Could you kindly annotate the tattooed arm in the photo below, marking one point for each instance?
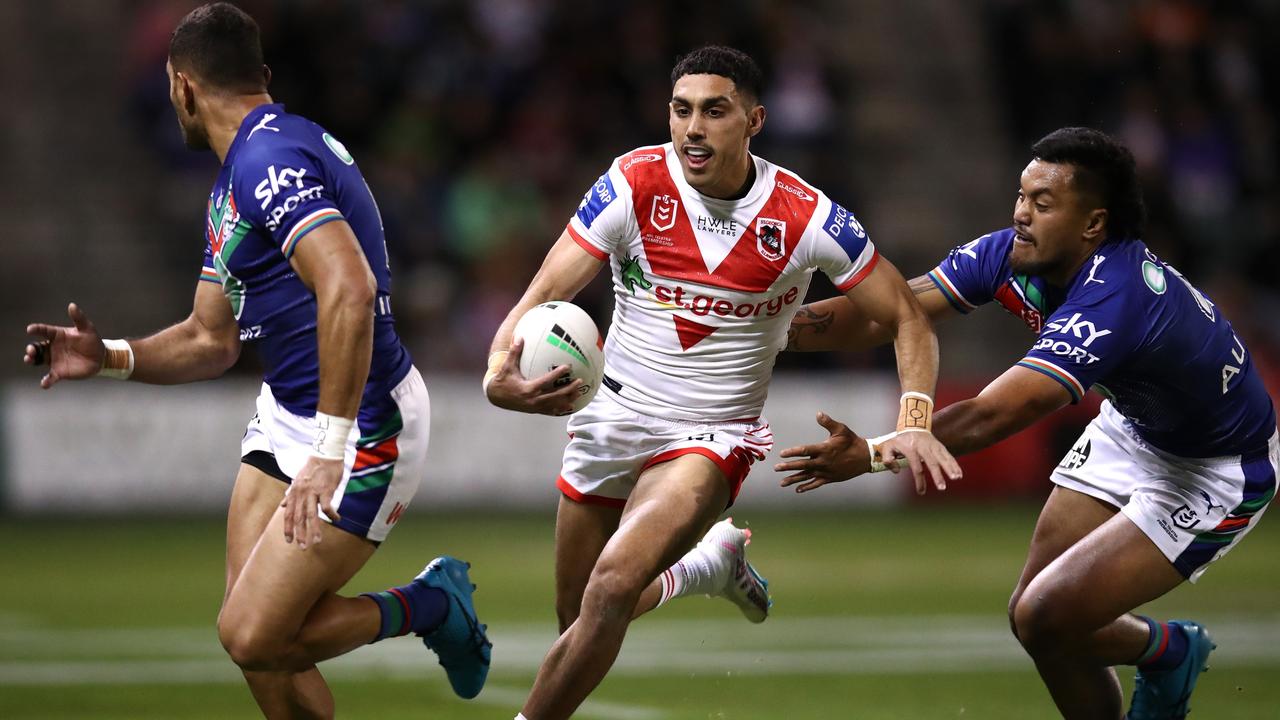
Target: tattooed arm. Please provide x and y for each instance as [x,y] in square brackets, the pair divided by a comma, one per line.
[835,324]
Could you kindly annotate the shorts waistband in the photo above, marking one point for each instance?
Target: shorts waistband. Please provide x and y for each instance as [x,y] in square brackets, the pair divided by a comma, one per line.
[616,388]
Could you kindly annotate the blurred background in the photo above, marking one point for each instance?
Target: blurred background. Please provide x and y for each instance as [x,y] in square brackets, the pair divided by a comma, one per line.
[480,124]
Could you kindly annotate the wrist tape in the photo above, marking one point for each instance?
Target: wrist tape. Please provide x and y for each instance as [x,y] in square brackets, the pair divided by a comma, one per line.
[331,436]
[117,362]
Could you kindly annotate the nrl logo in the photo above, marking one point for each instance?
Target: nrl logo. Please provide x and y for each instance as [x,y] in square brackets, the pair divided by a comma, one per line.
[771,238]
[632,274]
[663,214]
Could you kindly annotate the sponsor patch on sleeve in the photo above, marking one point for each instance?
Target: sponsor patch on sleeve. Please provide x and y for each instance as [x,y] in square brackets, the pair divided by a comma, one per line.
[596,200]
[845,229]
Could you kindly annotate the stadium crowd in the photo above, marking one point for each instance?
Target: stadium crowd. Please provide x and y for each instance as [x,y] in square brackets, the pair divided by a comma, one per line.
[479,125]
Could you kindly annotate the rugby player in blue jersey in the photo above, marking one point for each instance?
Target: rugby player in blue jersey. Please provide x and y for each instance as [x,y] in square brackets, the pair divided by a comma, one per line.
[1178,466]
[296,263]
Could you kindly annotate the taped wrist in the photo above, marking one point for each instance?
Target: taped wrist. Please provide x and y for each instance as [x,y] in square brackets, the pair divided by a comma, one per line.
[117,361]
[496,359]
[877,461]
[331,436]
[915,413]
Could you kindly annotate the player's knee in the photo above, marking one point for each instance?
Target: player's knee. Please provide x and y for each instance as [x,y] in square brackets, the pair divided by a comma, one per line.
[1041,625]
[612,592]
[249,646]
[1013,606]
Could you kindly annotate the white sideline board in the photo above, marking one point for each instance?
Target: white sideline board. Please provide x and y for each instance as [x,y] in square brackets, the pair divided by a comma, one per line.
[119,448]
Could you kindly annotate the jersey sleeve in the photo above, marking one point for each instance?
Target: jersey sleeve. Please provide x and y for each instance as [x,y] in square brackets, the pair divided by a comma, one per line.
[283,190]
[208,273]
[1086,339]
[841,247]
[604,216]
[971,273]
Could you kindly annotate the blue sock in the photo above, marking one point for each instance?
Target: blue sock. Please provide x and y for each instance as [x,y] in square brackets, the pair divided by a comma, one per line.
[1166,648]
[409,608]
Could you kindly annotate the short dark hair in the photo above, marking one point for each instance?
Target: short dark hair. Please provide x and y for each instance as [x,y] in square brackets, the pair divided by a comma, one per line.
[1105,169]
[221,45]
[725,62]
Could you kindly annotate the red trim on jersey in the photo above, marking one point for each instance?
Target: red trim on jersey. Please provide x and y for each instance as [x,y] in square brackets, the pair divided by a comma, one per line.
[862,274]
[671,246]
[572,493]
[735,467]
[596,252]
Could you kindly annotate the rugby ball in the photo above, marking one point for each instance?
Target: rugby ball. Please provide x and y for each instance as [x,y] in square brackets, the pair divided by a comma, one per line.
[561,333]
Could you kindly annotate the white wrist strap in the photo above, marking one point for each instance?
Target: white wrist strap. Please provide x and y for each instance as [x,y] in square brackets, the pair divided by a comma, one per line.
[331,436]
[117,362]
[877,463]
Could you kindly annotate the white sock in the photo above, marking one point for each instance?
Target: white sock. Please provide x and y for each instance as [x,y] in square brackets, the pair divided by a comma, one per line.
[697,573]
[520,716]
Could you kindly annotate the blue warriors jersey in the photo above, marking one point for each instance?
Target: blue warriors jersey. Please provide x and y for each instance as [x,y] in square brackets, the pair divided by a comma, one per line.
[1129,325]
[283,177]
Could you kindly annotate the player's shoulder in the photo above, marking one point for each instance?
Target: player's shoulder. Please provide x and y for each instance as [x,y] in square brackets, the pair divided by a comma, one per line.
[987,254]
[278,136]
[786,181]
[641,158]
[1114,275]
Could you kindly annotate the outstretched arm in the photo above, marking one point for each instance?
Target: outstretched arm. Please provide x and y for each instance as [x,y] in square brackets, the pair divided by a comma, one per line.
[836,324]
[1009,404]
[201,347]
[884,299]
[565,271]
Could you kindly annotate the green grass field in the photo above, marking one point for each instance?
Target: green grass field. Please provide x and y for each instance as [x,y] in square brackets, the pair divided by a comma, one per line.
[896,614]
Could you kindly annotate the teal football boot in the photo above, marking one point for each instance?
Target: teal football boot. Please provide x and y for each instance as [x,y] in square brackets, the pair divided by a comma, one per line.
[1166,694]
[459,640]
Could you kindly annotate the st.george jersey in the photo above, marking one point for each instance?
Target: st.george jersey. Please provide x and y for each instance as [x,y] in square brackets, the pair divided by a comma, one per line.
[1131,326]
[706,288]
[283,177]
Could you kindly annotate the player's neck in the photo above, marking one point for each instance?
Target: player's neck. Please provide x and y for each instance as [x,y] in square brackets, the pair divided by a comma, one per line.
[739,183]
[226,117]
[1064,277]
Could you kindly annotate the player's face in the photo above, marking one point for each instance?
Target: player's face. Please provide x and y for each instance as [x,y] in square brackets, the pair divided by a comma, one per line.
[711,127]
[1054,224]
[181,95]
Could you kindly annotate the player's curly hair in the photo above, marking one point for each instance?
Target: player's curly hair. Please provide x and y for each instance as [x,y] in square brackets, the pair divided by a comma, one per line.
[725,62]
[221,45]
[1104,169]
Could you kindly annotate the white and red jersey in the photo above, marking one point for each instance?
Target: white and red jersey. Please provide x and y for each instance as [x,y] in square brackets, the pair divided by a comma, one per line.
[706,288]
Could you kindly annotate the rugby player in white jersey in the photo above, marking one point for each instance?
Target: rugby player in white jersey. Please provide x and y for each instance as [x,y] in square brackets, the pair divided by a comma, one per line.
[711,250]
[295,263]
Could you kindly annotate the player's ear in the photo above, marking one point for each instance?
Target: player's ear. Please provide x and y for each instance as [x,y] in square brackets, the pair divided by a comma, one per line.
[266,77]
[1097,224]
[186,93]
[755,120]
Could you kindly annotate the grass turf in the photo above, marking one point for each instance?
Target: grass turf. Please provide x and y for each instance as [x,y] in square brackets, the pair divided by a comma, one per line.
[146,576]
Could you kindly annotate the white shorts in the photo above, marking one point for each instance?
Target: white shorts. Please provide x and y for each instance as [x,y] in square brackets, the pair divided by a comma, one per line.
[1194,509]
[610,445]
[386,453]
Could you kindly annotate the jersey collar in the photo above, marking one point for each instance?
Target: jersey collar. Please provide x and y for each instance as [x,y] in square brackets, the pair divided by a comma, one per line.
[254,122]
